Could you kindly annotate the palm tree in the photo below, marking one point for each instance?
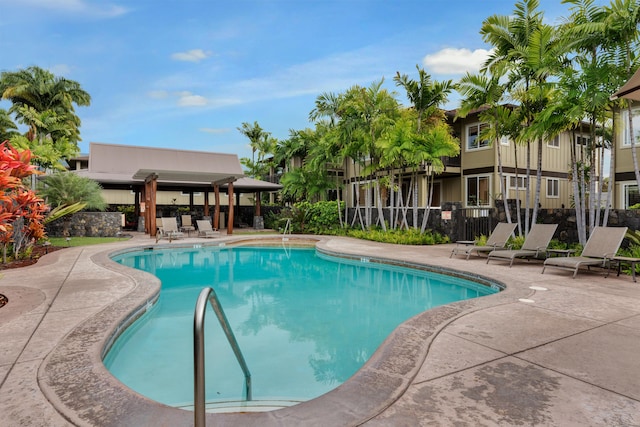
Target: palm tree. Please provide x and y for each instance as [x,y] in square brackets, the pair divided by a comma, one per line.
[256,136]
[531,51]
[7,127]
[365,114]
[435,142]
[426,97]
[485,90]
[33,91]
[622,19]
[400,152]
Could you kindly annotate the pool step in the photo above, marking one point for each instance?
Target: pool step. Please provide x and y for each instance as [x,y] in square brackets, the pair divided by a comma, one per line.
[245,406]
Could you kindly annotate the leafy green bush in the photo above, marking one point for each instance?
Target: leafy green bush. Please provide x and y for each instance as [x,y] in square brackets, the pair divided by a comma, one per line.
[310,218]
[633,251]
[515,242]
[400,237]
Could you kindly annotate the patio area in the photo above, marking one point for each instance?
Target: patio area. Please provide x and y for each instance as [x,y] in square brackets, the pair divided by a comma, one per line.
[549,350]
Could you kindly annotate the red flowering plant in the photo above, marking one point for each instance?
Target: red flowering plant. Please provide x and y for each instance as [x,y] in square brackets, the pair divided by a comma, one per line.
[21,211]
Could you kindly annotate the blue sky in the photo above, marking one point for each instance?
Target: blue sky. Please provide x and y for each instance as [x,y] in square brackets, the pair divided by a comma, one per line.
[187,73]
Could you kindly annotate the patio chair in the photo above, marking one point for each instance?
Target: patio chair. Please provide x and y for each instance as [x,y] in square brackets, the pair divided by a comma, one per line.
[168,229]
[534,246]
[187,224]
[205,229]
[497,240]
[602,245]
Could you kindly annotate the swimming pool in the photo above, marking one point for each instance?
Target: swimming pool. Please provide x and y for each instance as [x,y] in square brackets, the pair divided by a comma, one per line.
[304,321]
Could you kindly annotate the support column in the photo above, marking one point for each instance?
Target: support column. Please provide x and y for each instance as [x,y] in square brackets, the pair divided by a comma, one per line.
[152,182]
[206,203]
[216,209]
[230,219]
[147,203]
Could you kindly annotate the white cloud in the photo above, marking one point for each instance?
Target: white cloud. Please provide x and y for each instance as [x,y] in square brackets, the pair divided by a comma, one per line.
[193,55]
[455,61]
[215,130]
[107,10]
[187,99]
[62,70]
[158,94]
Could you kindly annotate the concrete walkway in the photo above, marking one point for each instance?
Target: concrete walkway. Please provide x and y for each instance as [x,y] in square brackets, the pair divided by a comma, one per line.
[549,350]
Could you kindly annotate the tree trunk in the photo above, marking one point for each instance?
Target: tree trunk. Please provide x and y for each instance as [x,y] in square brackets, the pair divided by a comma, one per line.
[503,190]
[536,202]
[527,192]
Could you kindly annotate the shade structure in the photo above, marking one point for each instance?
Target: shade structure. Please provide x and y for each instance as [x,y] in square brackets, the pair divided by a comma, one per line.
[631,89]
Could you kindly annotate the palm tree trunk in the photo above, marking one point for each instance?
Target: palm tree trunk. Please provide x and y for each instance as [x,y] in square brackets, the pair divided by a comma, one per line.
[612,170]
[415,199]
[527,191]
[518,213]
[536,202]
[503,190]
[576,187]
[392,194]
[427,209]
[379,206]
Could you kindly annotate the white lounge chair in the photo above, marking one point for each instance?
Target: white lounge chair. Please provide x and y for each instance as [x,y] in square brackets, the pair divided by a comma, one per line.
[205,229]
[534,246]
[167,229]
[602,245]
[187,224]
[497,240]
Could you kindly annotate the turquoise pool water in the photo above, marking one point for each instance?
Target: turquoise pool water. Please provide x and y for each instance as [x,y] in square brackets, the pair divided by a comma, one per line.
[305,322]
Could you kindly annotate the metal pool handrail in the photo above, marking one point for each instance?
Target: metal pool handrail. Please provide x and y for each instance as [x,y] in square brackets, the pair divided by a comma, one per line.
[198,351]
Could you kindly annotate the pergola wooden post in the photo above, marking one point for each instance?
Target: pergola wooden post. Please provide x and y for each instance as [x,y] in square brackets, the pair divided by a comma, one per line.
[230,219]
[151,189]
[216,209]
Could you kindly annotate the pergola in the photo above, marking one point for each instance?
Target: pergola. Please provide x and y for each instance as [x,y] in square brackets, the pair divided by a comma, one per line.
[631,89]
[148,168]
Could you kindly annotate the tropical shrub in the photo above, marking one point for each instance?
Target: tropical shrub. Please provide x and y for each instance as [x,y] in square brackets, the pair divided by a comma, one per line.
[310,218]
[21,212]
[71,193]
[400,237]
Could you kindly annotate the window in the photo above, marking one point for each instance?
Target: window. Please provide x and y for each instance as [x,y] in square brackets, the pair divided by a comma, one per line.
[553,188]
[631,196]
[473,133]
[521,184]
[478,190]
[361,199]
[504,140]
[636,126]
[555,142]
[195,193]
[582,140]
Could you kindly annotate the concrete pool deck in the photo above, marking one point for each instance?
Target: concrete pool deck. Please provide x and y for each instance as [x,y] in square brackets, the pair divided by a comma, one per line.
[549,350]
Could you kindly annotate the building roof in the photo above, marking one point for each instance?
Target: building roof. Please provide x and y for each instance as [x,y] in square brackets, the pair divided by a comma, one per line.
[126,164]
[631,89]
[133,163]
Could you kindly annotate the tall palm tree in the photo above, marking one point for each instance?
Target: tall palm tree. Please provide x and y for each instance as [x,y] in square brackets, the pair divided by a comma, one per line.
[365,114]
[256,136]
[435,142]
[485,90]
[39,91]
[622,19]
[531,51]
[7,126]
[426,97]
